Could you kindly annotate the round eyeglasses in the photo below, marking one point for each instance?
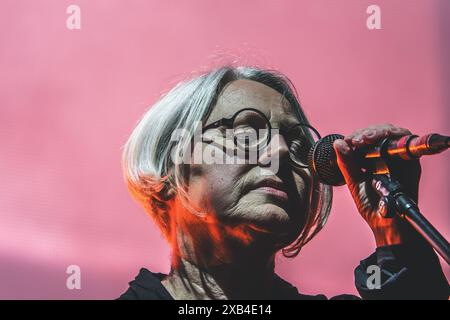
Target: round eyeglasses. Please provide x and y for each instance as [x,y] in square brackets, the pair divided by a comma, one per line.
[252,131]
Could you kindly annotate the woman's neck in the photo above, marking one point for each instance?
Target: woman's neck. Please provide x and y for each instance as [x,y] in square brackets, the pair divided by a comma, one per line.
[249,277]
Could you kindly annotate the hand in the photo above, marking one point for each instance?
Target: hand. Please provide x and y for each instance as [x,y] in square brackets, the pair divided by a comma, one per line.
[387,231]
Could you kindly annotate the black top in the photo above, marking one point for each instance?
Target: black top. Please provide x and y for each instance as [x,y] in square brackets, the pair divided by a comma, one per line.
[406,273]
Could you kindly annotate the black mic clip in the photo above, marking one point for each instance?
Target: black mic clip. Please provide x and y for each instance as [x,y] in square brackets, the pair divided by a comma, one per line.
[386,189]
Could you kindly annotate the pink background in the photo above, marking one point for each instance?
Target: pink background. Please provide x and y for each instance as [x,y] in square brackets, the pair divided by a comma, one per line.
[69,99]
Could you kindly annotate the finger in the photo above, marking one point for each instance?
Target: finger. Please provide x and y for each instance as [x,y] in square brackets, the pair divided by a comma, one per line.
[356,136]
[348,165]
[354,178]
[349,138]
[374,134]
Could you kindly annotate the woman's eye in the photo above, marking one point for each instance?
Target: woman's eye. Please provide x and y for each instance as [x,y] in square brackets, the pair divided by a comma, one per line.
[300,147]
[210,135]
[296,146]
[244,131]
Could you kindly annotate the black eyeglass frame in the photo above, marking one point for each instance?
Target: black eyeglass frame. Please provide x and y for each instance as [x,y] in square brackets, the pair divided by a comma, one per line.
[228,122]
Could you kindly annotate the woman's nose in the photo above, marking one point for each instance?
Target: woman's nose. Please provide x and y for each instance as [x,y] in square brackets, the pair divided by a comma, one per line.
[276,148]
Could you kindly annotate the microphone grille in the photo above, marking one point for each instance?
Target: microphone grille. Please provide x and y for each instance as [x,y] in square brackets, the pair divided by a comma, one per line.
[322,161]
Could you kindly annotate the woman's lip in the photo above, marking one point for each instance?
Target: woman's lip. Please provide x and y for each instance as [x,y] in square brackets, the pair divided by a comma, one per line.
[280,194]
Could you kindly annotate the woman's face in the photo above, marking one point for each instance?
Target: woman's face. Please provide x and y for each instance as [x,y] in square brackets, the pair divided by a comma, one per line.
[254,196]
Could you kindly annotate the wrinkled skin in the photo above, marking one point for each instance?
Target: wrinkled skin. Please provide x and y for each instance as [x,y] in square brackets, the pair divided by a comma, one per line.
[230,253]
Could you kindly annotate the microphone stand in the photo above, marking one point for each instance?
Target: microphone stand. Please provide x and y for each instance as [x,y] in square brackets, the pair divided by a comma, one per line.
[395,201]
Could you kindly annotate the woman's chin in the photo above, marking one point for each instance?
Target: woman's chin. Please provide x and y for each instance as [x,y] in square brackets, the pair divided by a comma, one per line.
[275,239]
[274,222]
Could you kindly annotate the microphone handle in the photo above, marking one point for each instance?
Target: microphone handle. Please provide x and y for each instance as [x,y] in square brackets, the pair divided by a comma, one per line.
[410,147]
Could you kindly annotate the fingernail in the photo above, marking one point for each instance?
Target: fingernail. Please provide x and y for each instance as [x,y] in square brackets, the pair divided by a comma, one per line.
[369,133]
[356,140]
[348,140]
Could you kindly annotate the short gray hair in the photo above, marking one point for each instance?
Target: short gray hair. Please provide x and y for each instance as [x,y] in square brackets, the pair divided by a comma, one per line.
[147,165]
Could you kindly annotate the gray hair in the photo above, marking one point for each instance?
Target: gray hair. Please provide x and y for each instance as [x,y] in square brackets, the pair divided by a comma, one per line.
[147,165]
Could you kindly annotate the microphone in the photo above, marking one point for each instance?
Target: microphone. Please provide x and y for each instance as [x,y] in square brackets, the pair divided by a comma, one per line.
[322,158]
